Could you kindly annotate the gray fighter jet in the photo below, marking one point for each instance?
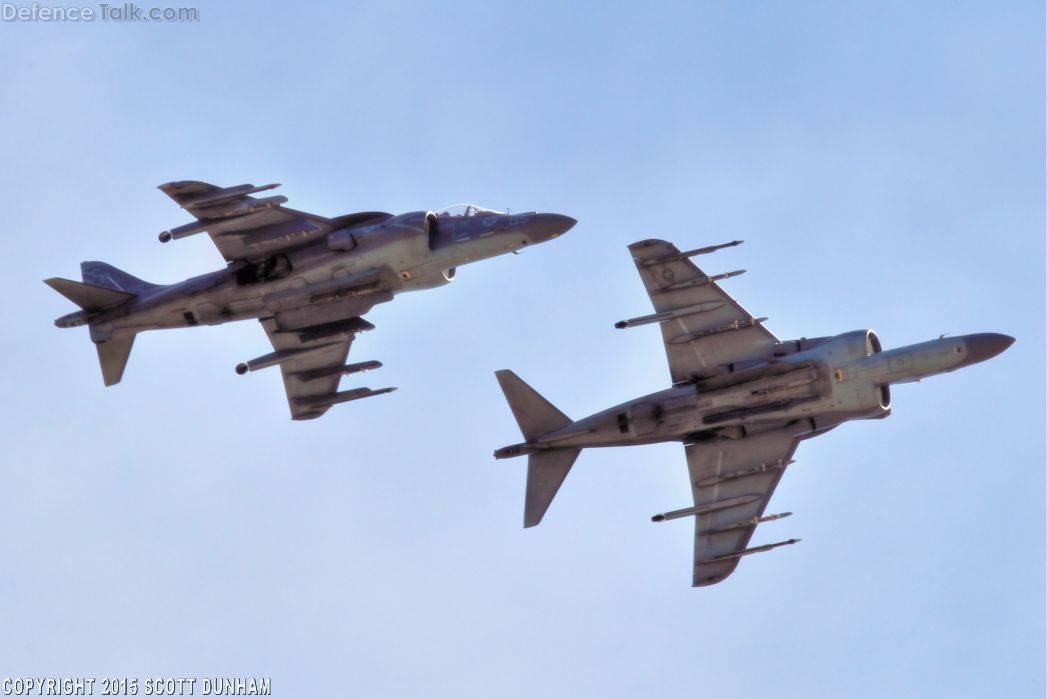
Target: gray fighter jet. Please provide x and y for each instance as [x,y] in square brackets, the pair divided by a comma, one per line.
[308,279]
[741,402]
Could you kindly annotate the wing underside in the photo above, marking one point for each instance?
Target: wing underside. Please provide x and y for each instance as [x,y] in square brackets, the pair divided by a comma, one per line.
[312,361]
[311,339]
[732,482]
[242,227]
[705,331]
[245,227]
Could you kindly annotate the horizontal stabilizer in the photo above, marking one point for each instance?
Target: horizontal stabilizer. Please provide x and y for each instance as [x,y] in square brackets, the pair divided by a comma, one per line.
[546,472]
[535,415]
[88,296]
[113,355]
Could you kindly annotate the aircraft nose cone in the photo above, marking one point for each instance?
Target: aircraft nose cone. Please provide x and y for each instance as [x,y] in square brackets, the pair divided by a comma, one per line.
[547,226]
[983,346]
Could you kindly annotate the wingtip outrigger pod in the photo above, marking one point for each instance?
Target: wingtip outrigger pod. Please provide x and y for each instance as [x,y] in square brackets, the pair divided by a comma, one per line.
[692,253]
[219,196]
[196,193]
[699,280]
[212,204]
[343,397]
[747,552]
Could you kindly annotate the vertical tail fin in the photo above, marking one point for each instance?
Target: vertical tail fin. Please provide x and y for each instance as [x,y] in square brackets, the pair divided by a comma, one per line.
[104,288]
[547,468]
[101,274]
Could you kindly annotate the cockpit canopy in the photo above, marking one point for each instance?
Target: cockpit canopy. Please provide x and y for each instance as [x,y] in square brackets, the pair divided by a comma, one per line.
[467,210]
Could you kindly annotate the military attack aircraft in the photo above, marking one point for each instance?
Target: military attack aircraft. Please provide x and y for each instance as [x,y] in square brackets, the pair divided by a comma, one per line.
[741,402]
[307,278]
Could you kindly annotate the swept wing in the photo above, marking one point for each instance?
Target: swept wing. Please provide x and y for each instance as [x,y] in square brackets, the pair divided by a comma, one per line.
[705,333]
[704,329]
[312,359]
[732,481]
[246,227]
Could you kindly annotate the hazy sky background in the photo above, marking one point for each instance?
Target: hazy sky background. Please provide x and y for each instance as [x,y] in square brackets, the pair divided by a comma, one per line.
[884,163]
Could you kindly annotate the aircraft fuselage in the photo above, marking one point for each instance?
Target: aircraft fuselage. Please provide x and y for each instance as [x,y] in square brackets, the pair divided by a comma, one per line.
[843,378]
[352,267]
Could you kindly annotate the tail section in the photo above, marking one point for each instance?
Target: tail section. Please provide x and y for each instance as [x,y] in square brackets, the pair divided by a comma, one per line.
[547,468]
[546,472]
[535,415]
[89,297]
[104,287]
[101,274]
[113,355]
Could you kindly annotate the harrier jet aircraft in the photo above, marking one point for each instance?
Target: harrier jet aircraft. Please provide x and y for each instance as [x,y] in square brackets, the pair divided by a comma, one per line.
[741,401]
[307,278]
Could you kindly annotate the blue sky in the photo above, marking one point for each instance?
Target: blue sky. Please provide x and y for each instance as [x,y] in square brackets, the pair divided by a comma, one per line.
[885,164]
